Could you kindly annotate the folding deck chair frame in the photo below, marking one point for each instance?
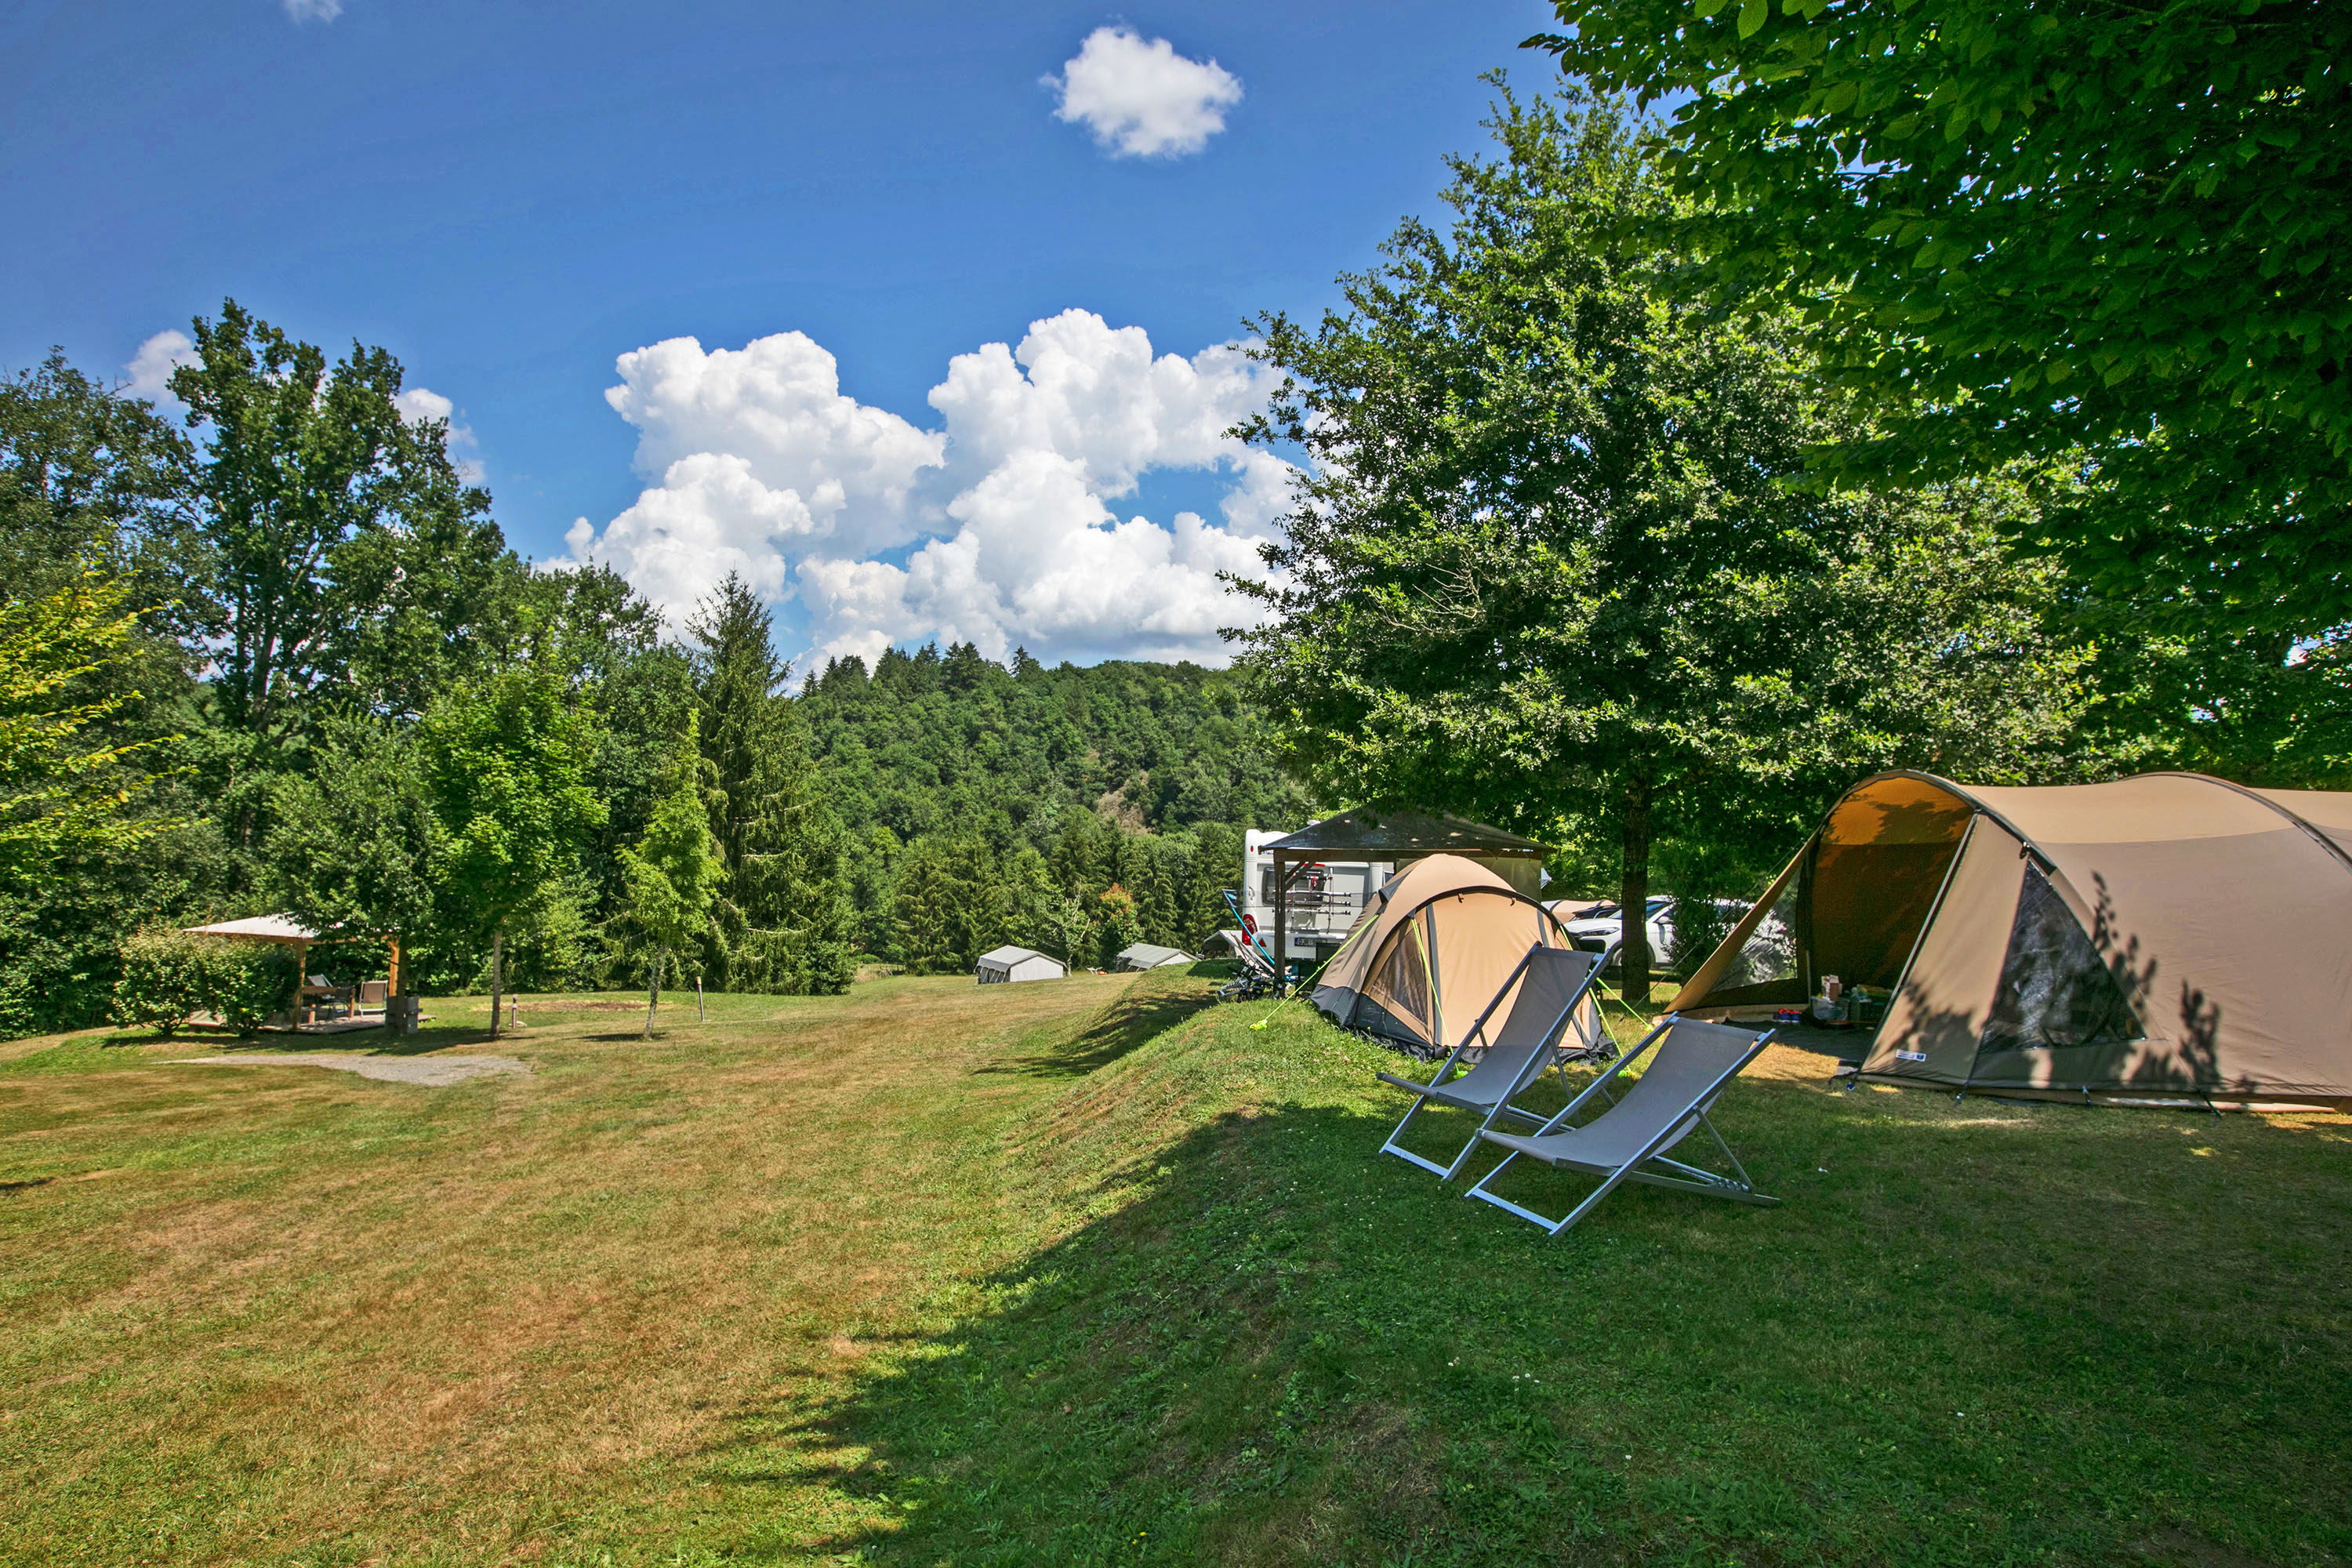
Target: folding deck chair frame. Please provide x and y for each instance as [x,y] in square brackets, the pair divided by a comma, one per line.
[1738,1187]
[1541,1052]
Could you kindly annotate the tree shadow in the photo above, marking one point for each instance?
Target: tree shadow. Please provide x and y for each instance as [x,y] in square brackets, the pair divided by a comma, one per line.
[1286,1348]
[1137,1014]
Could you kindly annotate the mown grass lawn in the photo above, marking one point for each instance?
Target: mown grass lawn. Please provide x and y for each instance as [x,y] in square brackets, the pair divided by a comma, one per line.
[1091,1272]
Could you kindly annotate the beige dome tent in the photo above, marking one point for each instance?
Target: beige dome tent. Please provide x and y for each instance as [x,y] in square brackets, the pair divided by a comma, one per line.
[2165,939]
[1425,957]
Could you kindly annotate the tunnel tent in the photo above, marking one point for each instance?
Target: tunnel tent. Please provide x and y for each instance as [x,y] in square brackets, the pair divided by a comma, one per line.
[2166,939]
[1429,950]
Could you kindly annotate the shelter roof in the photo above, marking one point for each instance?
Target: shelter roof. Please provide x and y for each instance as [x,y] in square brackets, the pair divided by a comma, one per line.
[1014,955]
[1375,834]
[1151,955]
[260,927]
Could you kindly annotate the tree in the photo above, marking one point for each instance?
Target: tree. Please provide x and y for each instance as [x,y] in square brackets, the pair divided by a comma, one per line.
[504,763]
[86,474]
[2117,233]
[349,551]
[1551,572]
[356,842]
[675,870]
[64,788]
[782,924]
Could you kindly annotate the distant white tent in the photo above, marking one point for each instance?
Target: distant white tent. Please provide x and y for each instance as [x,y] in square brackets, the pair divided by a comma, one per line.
[1011,964]
[1144,955]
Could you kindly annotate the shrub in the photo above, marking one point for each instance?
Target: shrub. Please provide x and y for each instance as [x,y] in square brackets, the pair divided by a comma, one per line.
[162,978]
[168,975]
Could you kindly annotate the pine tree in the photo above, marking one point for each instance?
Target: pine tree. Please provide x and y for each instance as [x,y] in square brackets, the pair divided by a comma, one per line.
[782,923]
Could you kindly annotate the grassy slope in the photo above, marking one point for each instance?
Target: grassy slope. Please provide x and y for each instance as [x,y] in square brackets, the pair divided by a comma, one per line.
[1072,1273]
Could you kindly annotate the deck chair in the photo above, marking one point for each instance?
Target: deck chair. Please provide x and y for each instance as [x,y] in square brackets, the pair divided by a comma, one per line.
[1628,1141]
[1553,984]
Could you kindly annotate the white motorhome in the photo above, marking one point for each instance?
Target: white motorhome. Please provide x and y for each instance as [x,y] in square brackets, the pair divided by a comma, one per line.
[1325,898]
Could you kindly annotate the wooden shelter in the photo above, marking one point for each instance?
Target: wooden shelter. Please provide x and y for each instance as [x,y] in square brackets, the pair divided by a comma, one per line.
[1396,838]
[286,929]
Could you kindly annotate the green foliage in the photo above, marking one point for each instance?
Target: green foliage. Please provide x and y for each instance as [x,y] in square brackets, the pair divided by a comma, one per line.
[1121,772]
[356,840]
[782,923]
[503,761]
[64,786]
[675,870]
[1552,572]
[350,556]
[167,976]
[2118,235]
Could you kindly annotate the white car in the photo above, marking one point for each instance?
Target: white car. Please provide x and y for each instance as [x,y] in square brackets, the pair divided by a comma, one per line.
[1596,926]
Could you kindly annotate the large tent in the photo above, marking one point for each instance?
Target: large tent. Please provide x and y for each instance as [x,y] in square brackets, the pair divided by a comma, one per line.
[2168,937]
[1425,957]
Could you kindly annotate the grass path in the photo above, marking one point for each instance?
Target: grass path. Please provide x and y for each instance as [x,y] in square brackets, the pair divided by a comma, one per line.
[1086,1272]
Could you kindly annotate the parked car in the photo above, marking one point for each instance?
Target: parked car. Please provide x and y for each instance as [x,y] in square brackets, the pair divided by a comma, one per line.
[1599,925]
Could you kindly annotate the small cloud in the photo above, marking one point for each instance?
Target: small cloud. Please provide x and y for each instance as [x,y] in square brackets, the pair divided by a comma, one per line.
[1141,98]
[422,404]
[314,10]
[151,368]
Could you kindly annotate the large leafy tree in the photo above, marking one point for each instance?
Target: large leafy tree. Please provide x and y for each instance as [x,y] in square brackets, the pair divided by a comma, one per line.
[783,923]
[2117,230]
[1550,570]
[350,557]
[505,760]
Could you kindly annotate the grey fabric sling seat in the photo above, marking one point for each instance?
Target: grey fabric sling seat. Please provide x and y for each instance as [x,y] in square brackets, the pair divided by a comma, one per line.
[1690,1062]
[1553,982]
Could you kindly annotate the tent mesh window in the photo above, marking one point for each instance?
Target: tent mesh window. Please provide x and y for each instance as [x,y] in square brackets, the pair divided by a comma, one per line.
[1405,973]
[1766,968]
[2055,990]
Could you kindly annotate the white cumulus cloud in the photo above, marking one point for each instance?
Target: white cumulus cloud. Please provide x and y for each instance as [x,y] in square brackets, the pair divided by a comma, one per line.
[314,10]
[996,529]
[420,405]
[151,368]
[1141,97]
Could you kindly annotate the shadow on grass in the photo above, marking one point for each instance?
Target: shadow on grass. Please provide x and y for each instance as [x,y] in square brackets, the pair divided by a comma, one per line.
[1137,1016]
[1288,1350]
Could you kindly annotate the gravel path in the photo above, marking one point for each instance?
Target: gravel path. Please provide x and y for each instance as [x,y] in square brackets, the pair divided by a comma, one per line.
[433,1071]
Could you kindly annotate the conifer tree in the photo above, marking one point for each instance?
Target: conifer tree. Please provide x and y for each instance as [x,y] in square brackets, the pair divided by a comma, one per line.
[781,921]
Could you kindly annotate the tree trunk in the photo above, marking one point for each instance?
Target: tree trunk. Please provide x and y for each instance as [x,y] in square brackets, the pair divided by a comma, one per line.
[653,998]
[498,963]
[1634,895]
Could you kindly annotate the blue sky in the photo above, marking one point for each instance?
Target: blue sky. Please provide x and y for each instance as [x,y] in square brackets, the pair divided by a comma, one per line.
[510,197]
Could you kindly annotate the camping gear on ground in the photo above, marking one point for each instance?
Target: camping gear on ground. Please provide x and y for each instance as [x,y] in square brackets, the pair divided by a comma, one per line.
[2168,940]
[1005,965]
[1549,988]
[1256,978]
[1628,1141]
[1434,945]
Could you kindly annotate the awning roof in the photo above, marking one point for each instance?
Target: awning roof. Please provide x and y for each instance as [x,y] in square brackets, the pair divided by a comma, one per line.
[260,927]
[1151,954]
[1373,834]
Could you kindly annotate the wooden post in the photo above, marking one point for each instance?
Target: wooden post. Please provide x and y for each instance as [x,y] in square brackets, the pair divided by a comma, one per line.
[1281,925]
[394,989]
[498,955]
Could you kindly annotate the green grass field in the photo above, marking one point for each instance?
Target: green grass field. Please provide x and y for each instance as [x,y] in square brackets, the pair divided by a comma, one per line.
[1092,1272]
